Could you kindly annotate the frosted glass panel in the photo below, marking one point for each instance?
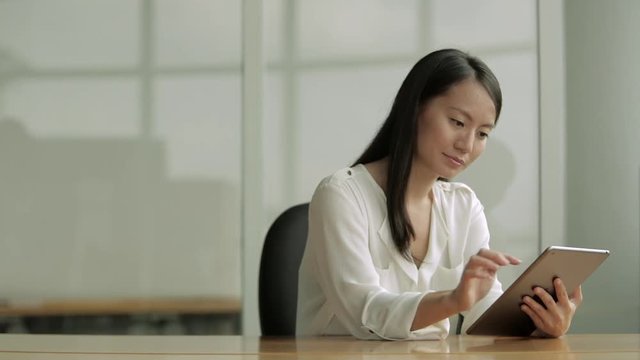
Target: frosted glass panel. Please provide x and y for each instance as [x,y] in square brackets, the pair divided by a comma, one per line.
[274,34]
[197,32]
[77,34]
[487,23]
[339,112]
[75,107]
[344,29]
[121,166]
[276,148]
[199,119]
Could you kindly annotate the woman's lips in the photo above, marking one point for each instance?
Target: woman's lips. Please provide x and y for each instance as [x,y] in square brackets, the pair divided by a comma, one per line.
[455,160]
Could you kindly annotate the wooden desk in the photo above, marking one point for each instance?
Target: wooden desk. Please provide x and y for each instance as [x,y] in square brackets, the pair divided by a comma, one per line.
[203,315]
[76,347]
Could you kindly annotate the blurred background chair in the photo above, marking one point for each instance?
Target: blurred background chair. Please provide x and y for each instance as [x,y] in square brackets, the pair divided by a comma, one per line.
[278,279]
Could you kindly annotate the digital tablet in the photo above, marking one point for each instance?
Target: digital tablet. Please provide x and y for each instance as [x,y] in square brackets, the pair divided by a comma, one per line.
[573,265]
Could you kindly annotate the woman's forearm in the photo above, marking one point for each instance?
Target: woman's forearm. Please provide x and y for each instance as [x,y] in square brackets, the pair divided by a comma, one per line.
[434,307]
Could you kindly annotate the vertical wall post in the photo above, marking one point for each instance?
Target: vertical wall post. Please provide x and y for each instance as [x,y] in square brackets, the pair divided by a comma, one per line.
[252,176]
[551,87]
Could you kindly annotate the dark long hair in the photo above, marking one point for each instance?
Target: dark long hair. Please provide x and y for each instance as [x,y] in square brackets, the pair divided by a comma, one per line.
[430,77]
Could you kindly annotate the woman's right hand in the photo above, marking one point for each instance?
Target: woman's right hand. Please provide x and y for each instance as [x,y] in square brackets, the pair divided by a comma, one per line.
[478,276]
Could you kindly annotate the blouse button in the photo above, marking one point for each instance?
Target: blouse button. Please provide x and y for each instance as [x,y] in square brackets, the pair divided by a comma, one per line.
[349,172]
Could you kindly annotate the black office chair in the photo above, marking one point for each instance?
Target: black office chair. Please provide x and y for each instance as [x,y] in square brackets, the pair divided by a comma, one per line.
[278,279]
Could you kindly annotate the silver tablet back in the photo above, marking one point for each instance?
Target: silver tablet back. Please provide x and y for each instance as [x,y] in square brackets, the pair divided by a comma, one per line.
[572,265]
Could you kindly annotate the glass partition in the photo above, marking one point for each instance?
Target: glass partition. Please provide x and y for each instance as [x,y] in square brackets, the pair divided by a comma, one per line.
[120,123]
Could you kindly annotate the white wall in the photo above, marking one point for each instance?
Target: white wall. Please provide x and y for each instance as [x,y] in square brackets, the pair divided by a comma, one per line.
[603,156]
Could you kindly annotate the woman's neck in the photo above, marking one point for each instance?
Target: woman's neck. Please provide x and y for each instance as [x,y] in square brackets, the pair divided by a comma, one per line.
[378,171]
[421,181]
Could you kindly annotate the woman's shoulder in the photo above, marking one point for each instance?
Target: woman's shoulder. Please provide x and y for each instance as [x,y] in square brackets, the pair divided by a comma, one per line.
[354,183]
[342,192]
[338,178]
[345,178]
[337,183]
[332,185]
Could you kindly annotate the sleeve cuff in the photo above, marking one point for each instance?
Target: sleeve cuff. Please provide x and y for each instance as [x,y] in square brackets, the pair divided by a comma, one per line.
[389,316]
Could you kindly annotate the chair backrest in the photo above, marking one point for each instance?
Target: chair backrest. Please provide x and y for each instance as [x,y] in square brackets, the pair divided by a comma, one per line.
[278,281]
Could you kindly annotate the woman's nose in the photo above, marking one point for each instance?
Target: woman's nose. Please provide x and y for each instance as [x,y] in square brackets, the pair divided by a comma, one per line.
[464,142]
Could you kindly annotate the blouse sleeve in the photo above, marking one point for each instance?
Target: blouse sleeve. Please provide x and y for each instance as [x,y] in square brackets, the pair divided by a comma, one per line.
[338,237]
[479,239]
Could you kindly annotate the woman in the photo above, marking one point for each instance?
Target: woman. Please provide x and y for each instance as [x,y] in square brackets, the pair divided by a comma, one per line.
[394,248]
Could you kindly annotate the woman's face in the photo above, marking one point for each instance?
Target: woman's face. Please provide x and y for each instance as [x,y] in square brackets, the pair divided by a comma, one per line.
[453,129]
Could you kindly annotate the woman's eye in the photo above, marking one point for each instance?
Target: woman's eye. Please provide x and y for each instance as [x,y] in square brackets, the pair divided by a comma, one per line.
[483,135]
[457,123]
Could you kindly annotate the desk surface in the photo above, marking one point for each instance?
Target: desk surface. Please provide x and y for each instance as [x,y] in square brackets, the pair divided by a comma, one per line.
[60,347]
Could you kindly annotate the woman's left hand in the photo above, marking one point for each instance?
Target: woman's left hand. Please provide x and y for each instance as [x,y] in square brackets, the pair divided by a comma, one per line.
[554,318]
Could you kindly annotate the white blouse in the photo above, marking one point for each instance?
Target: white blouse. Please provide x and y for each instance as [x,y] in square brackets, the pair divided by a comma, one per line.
[354,281]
